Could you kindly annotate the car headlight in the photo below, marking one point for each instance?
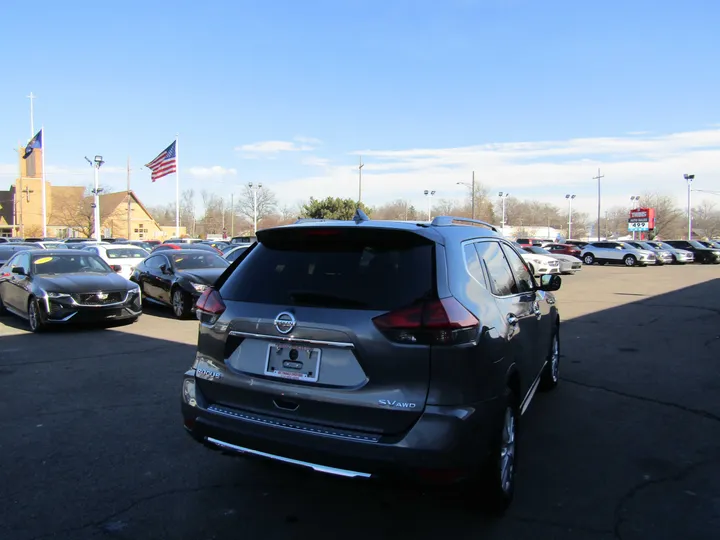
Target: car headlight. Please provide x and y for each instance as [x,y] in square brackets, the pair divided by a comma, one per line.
[57,295]
[553,263]
[199,287]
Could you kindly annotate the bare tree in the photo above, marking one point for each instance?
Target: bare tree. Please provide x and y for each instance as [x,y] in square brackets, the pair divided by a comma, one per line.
[78,213]
[669,220]
[706,219]
[266,203]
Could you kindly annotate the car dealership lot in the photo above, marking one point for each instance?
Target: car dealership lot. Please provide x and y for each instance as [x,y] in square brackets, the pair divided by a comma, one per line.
[628,447]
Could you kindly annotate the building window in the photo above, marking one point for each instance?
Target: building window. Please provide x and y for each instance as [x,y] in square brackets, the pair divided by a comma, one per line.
[136,230]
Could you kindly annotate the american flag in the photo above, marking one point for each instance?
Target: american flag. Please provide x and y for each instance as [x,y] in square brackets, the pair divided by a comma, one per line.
[164,164]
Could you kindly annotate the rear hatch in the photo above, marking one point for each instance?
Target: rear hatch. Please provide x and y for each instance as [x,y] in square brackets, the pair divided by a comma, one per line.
[125,257]
[309,331]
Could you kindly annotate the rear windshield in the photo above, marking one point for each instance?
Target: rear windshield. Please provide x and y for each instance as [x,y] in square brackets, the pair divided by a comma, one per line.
[126,253]
[373,270]
[187,261]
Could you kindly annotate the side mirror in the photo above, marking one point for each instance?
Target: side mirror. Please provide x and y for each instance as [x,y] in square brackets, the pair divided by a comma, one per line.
[164,269]
[20,271]
[550,283]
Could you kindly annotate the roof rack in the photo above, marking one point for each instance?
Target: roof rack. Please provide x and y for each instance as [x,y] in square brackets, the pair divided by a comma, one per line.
[444,221]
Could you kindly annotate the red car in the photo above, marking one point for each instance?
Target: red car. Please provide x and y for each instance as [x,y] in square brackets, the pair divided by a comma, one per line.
[184,245]
[564,249]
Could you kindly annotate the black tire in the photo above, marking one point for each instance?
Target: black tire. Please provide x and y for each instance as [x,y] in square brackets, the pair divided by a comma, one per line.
[630,260]
[181,303]
[498,476]
[36,320]
[588,259]
[551,372]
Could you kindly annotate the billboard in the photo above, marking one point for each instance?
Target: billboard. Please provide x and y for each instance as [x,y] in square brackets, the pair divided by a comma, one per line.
[641,220]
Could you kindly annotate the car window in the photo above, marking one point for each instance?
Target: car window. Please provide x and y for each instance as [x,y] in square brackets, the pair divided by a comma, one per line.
[155,261]
[126,253]
[21,261]
[502,282]
[523,279]
[351,269]
[69,264]
[187,261]
[473,265]
[235,254]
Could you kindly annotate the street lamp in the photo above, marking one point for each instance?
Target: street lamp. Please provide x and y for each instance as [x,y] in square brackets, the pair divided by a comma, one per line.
[96,164]
[429,195]
[472,193]
[503,196]
[689,178]
[570,200]
[254,188]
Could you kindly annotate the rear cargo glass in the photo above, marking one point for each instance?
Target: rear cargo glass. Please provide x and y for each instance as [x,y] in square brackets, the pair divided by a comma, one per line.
[373,270]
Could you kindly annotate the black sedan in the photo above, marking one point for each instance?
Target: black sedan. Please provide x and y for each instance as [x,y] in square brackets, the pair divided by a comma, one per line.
[66,286]
[703,254]
[177,278]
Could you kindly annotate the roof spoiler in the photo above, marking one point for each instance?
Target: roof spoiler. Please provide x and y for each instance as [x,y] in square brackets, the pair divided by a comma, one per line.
[444,221]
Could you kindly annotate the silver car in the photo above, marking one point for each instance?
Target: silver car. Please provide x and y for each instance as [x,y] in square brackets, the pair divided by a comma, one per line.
[679,256]
[616,253]
[662,256]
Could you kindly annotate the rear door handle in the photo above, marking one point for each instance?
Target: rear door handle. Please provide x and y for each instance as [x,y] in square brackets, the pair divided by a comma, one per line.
[512,319]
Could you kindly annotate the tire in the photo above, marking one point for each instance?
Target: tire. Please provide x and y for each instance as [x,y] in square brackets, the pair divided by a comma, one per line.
[630,260]
[588,259]
[499,471]
[35,316]
[181,303]
[551,373]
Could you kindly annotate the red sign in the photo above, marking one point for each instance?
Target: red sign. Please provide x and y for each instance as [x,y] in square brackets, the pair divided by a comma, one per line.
[643,215]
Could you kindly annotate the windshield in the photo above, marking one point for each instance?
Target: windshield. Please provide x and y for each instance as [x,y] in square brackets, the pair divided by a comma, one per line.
[69,264]
[696,244]
[537,250]
[126,253]
[186,261]
[55,245]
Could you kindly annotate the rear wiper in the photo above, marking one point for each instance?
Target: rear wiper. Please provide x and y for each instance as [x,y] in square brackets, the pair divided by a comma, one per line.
[324,300]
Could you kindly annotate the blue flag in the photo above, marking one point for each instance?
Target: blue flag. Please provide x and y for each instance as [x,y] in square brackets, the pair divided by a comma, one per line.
[35,142]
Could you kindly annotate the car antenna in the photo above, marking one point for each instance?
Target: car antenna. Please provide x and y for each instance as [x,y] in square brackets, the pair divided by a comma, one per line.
[360,216]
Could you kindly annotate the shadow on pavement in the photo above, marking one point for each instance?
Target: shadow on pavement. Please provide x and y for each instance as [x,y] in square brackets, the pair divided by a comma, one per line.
[92,445]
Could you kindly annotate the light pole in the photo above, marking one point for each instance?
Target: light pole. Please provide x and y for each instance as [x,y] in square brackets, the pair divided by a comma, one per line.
[472,193]
[634,203]
[96,164]
[429,194]
[570,200]
[254,188]
[503,196]
[689,178]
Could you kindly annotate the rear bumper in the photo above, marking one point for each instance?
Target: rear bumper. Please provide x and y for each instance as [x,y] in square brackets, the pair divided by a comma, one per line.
[449,441]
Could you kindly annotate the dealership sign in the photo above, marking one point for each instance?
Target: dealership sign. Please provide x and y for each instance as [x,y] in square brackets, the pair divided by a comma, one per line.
[641,220]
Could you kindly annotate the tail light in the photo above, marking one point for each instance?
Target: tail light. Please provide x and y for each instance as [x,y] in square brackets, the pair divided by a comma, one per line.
[436,322]
[209,306]
[116,267]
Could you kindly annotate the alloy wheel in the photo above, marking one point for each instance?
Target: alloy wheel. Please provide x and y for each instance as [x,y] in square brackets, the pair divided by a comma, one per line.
[507,452]
[178,303]
[629,260]
[33,316]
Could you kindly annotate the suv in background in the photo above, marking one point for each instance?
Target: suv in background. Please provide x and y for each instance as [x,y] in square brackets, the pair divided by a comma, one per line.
[616,253]
[376,349]
[662,256]
[703,254]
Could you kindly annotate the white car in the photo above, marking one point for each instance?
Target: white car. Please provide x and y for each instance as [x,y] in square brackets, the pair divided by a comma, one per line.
[122,258]
[541,264]
[568,263]
[616,253]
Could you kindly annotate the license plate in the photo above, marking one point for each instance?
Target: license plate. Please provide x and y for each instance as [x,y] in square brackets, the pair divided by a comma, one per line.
[293,362]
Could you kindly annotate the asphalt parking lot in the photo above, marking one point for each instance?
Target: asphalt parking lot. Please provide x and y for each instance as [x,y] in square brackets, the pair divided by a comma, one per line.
[628,447]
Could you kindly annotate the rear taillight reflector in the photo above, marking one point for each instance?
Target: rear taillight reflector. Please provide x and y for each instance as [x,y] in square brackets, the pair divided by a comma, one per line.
[437,322]
[210,302]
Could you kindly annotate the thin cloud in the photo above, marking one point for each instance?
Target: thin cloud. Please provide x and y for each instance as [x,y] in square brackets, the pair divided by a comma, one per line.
[275,147]
[216,171]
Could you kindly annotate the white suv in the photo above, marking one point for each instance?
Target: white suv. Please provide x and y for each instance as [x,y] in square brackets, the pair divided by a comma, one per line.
[616,253]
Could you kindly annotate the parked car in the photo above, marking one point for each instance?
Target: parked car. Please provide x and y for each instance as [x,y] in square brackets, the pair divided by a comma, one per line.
[235,252]
[662,256]
[712,244]
[229,247]
[121,257]
[579,243]
[242,239]
[540,263]
[112,240]
[48,287]
[526,242]
[361,349]
[41,244]
[217,244]
[679,256]
[183,241]
[568,263]
[147,246]
[8,249]
[564,249]
[616,253]
[176,278]
[203,247]
[703,254]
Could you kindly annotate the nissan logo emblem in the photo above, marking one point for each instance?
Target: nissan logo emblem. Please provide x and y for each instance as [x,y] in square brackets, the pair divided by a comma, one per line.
[285,322]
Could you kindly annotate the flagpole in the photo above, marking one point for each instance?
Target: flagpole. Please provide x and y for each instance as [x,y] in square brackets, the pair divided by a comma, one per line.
[177,187]
[44,202]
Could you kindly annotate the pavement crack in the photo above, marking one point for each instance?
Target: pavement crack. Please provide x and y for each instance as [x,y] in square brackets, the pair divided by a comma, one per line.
[690,410]
[634,491]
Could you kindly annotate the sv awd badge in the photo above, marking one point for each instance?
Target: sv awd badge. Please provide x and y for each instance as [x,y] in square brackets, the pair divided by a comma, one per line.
[396,404]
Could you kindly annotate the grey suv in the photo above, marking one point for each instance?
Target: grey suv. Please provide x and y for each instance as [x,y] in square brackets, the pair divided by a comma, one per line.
[375,349]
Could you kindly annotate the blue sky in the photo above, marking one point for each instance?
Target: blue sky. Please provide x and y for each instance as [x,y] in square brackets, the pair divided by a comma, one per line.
[289,92]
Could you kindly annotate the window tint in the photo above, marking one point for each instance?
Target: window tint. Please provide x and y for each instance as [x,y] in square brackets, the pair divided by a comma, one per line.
[69,264]
[22,261]
[186,261]
[472,263]
[235,254]
[343,269]
[501,279]
[155,262]
[523,280]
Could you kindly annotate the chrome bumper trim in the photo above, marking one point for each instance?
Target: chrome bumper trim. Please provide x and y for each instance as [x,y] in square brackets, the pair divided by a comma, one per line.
[314,466]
